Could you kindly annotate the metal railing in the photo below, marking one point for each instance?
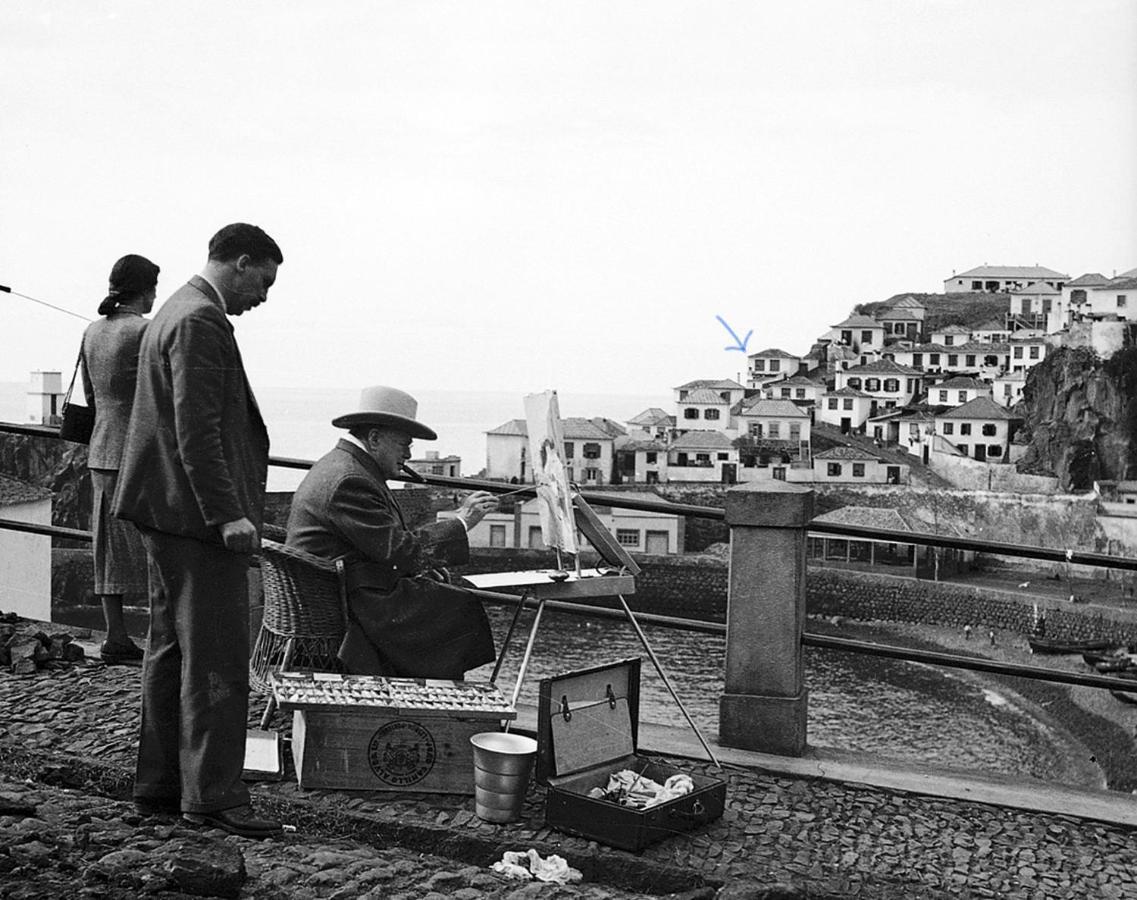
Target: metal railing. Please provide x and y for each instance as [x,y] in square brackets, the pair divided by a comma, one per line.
[810,639]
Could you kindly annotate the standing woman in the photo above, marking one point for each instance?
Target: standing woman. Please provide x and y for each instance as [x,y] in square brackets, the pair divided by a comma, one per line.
[110,370]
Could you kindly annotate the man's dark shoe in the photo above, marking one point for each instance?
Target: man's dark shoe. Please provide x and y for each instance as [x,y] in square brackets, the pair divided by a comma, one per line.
[127,653]
[240,820]
[149,806]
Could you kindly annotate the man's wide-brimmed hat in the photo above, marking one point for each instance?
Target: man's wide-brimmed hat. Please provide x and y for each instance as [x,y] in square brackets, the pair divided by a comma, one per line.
[387,407]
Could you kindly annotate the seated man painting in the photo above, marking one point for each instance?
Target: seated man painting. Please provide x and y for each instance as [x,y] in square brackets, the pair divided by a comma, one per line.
[402,621]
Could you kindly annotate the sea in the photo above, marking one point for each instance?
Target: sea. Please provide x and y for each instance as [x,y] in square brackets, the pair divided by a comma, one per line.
[299,419]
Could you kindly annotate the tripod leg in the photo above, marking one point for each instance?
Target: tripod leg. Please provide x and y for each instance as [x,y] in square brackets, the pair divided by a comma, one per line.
[667,681]
[528,653]
[508,638]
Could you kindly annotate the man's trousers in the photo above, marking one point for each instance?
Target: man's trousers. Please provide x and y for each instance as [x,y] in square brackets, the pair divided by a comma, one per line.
[195,679]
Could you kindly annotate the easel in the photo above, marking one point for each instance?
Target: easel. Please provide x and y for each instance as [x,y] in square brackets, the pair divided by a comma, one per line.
[578,585]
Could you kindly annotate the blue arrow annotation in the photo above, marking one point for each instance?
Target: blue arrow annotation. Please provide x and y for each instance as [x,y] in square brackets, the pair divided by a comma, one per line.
[739,344]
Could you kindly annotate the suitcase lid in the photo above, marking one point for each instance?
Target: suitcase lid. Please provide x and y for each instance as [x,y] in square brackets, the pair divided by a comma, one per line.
[587,717]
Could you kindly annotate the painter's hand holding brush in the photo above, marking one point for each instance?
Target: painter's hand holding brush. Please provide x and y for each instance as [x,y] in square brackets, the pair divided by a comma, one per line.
[475,506]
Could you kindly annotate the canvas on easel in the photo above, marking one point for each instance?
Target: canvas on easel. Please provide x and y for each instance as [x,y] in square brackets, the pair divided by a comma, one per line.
[546,455]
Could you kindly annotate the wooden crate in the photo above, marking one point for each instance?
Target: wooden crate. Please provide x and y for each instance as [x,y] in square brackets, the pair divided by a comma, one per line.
[587,723]
[367,733]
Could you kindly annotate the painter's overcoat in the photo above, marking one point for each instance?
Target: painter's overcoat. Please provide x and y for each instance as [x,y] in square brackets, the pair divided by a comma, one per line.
[402,622]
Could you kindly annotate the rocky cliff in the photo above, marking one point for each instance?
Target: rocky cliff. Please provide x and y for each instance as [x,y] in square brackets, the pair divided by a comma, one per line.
[1080,417]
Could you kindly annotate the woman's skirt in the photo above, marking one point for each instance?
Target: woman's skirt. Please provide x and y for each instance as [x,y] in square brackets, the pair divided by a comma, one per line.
[120,558]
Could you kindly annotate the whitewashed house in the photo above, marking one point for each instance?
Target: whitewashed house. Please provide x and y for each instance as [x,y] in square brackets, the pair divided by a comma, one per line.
[957,390]
[45,398]
[637,531]
[845,408]
[1007,388]
[589,452]
[703,408]
[991,332]
[851,465]
[859,332]
[1028,349]
[999,279]
[706,456]
[980,429]
[888,383]
[798,389]
[950,335]
[25,559]
[1031,304]
[776,420]
[769,366]
[653,422]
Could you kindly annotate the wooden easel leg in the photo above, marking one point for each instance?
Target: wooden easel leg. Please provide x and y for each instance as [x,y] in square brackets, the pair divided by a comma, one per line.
[667,681]
[528,653]
[270,707]
[508,638]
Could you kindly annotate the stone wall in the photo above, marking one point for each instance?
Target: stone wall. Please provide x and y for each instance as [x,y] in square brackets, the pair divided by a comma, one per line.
[968,474]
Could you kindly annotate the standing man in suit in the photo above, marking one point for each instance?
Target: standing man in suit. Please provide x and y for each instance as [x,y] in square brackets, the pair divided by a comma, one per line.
[403,621]
[192,478]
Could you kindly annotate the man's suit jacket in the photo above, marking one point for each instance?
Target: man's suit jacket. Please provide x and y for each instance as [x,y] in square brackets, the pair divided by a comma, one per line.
[109,362]
[402,622]
[196,453]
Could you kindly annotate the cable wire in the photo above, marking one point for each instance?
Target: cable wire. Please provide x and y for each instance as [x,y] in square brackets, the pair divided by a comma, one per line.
[7,290]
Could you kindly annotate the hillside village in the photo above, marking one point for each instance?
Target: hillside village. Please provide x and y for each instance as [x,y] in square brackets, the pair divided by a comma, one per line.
[920,389]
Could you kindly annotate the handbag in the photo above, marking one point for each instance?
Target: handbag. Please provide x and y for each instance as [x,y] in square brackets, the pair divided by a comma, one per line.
[78,421]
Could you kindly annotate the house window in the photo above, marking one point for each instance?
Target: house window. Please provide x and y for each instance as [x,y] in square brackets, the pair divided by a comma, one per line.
[953,359]
[962,396]
[866,337]
[1046,304]
[775,431]
[497,535]
[799,393]
[846,337]
[570,449]
[964,428]
[1121,301]
[779,473]
[690,413]
[832,402]
[858,470]
[650,457]
[775,365]
[592,451]
[963,449]
[833,470]
[536,539]
[711,413]
[759,365]
[1034,352]
[872,384]
[854,383]
[756,429]
[1018,352]
[1026,306]
[943,397]
[948,428]
[898,328]
[702,459]
[592,475]
[847,403]
[988,430]
[969,359]
[917,359]
[892,385]
[795,431]
[786,392]
[933,359]
[977,285]
[994,450]
[627,537]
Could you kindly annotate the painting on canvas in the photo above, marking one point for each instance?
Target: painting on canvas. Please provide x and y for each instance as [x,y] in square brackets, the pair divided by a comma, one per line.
[546,453]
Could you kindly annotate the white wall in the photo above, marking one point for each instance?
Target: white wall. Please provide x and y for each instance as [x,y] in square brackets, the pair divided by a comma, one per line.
[25,562]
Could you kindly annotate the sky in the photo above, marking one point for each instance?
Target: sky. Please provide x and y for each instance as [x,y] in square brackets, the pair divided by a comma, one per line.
[520,195]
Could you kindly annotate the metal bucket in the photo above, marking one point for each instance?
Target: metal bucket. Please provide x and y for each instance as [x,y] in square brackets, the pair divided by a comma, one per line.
[502,766]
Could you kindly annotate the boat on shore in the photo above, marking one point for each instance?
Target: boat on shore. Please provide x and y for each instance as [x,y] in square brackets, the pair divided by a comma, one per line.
[1054,646]
[1114,664]
[1093,657]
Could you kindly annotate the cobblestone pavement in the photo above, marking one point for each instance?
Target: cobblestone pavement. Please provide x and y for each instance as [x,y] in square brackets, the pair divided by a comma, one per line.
[66,747]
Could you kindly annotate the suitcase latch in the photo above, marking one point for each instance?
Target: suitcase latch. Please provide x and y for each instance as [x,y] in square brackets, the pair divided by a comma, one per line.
[566,713]
[611,696]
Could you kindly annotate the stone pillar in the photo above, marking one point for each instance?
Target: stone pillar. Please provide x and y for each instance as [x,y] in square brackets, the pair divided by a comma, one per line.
[764,705]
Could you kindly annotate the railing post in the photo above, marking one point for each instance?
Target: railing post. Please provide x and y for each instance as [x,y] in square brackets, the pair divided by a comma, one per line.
[764,704]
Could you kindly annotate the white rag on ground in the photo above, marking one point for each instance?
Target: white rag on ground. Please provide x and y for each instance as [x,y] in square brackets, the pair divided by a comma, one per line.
[528,865]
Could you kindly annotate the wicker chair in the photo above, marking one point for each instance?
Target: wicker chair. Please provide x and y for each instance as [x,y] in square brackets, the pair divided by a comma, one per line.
[304,617]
